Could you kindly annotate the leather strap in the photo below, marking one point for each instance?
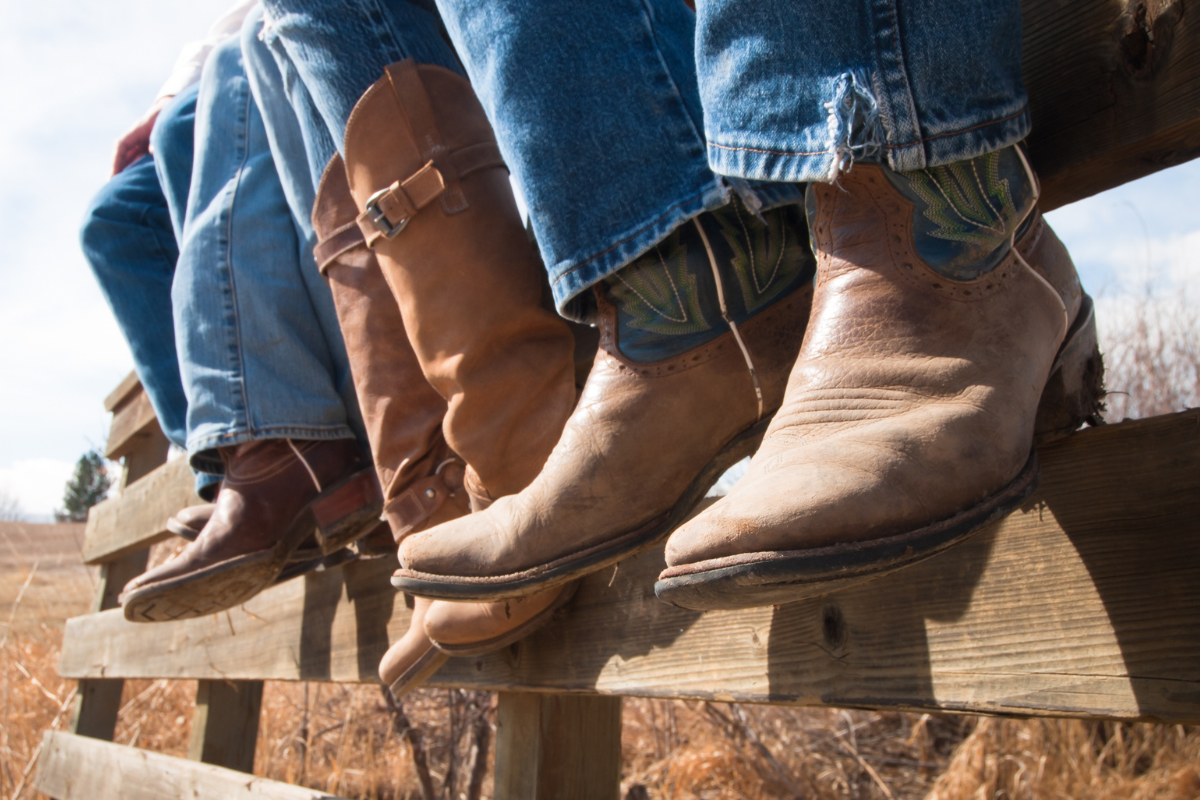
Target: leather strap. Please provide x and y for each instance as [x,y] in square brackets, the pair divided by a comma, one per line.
[344,238]
[389,210]
[417,504]
[414,101]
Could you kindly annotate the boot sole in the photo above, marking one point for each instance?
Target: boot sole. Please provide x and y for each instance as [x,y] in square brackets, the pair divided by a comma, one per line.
[422,670]
[572,567]
[1073,395]
[232,582]
[516,634]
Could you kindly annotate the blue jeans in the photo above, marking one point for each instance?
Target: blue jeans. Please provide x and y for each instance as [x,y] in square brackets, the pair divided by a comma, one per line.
[620,120]
[129,243]
[260,352]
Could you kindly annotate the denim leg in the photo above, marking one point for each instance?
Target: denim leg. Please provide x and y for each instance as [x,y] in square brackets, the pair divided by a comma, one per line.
[254,361]
[128,242]
[173,142]
[340,47]
[606,144]
[795,90]
[293,158]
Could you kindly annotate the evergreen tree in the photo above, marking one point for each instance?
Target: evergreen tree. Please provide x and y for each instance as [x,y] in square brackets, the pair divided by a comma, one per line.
[88,486]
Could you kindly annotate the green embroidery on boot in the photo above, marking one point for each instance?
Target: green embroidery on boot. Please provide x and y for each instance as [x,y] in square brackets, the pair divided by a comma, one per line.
[667,301]
[658,293]
[967,212]
[766,257]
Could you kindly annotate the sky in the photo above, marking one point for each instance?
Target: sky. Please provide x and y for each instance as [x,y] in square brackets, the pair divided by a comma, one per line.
[74,75]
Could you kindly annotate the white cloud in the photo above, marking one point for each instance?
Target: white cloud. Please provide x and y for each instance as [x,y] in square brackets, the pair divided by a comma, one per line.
[37,485]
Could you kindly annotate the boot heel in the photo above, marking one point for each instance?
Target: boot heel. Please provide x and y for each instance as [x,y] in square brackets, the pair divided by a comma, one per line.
[347,511]
[1074,393]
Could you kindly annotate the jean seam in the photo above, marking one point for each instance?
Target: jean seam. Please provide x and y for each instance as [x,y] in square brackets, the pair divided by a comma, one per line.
[698,132]
[381,24]
[237,330]
[895,81]
[633,235]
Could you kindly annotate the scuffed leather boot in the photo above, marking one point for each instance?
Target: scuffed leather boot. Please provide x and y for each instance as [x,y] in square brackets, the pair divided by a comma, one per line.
[188,522]
[277,493]
[697,339]
[438,211]
[945,310]
[403,415]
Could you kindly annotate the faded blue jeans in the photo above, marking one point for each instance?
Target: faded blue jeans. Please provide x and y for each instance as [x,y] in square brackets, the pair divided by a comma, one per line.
[620,120]
[260,352]
[129,243]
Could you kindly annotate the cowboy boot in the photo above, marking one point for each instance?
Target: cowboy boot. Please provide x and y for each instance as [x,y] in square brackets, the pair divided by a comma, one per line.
[697,338]
[188,522]
[439,213]
[276,495]
[403,415]
[945,311]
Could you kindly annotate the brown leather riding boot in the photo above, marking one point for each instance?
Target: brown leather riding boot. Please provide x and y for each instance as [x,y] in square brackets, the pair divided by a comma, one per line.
[439,213]
[911,414]
[403,414]
[276,495]
[697,338]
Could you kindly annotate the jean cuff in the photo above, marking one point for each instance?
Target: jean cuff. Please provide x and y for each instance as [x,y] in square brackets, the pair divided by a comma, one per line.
[203,456]
[804,165]
[575,276]
[961,144]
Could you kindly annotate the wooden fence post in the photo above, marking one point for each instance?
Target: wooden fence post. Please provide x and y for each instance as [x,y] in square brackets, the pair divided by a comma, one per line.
[99,700]
[552,746]
[225,724]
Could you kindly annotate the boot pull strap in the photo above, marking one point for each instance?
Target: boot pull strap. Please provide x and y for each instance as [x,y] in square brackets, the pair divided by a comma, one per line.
[347,237]
[414,101]
[419,502]
[390,209]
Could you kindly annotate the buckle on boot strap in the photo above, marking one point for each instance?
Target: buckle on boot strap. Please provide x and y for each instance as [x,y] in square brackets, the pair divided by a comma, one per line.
[389,210]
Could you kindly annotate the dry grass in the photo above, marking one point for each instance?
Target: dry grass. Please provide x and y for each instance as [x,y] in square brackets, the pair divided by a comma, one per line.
[1152,355]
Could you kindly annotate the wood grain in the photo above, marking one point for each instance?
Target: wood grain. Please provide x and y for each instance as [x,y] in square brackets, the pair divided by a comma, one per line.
[1114,90]
[79,768]
[133,421]
[551,746]
[225,723]
[1083,603]
[138,518]
[126,387]
[99,700]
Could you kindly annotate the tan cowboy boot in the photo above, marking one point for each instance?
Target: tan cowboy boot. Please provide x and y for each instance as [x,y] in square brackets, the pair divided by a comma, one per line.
[439,212]
[422,477]
[912,411]
[276,495]
[697,339]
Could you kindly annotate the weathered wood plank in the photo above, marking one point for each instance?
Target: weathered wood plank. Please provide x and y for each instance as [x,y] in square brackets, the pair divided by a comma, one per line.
[225,723]
[1084,603]
[138,518]
[1114,89]
[78,768]
[126,387]
[551,746]
[99,700]
[133,422]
